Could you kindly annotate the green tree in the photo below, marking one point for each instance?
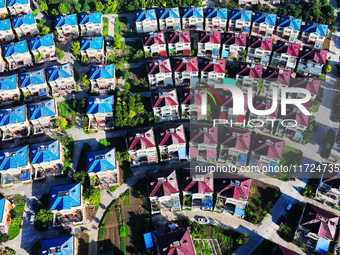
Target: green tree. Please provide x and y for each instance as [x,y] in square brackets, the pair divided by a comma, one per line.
[118,42]
[86,7]
[328,68]
[42,220]
[84,59]
[54,12]
[63,9]
[38,57]
[44,30]
[43,7]
[61,122]
[111,6]
[77,7]
[99,7]
[333,29]
[126,74]
[75,48]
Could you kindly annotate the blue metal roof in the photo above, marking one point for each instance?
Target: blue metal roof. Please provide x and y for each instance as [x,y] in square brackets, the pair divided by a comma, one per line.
[148,240]
[290,22]
[13,2]
[169,13]
[5,24]
[90,17]
[219,13]
[239,211]
[42,109]
[12,115]
[45,152]
[322,245]
[56,72]
[101,71]
[41,41]
[12,48]
[2,207]
[2,3]
[66,20]
[8,82]
[94,43]
[99,105]
[192,12]
[27,19]
[64,197]
[32,78]
[320,29]
[145,15]
[58,246]
[238,14]
[103,160]
[261,17]
[13,158]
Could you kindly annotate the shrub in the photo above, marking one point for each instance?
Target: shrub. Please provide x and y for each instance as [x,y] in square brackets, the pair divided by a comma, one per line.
[93,196]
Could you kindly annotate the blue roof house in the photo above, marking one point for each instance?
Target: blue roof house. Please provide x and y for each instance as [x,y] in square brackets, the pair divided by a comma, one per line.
[100,113]
[67,27]
[264,24]
[17,55]
[43,48]
[16,7]
[41,114]
[146,21]
[102,78]
[25,25]
[103,164]
[6,32]
[3,9]
[216,19]
[91,24]
[9,88]
[33,84]
[240,21]
[66,199]
[14,122]
[66,245]
[60,79]
[289,28]
[92,48]
[314,34]
[192,18]
[15,166]
[169,19]
[5,213]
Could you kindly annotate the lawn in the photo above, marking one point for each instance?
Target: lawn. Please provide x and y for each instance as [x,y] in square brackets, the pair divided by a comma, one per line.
[67,114]
[16,216]
[105,27]
[287,230]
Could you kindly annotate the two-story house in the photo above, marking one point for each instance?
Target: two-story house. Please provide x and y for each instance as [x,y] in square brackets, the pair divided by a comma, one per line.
[17,55]
[186,70]
[203,142]
[264,24]
[285,55]
[159,74]
[154,44]
[335,151]
[33,85]
[248,3]
[43,115]
[216,19]
[266,152]
[141,146]
[248,75]
[100,113]
[311,61]
[288,28]
[213,69]
[14,123]
[194,104]
[234,45]
[314,34]
[305,82]
[171,142]
[165,105]
[63,245]
[91,24]
[146,21]
[226,112]
[192,18]
[178,242]
[235,145]
[9,89]
[163,191]
[67,204]
[260,50]
[169,19]
[198,190]
[102,165]
[328,190]
[47,159]
[16,7]
[102,78]
[43,48]
[274,78]
[6,32]
[67,27]
[92,50]
[25,25]
[3,8]
[60,79]
[240,21]
[233,194]
[209,44]
[15,166]
[5,215]
[179,43]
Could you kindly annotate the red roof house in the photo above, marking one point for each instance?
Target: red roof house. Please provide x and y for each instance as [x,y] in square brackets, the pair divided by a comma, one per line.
[175,243]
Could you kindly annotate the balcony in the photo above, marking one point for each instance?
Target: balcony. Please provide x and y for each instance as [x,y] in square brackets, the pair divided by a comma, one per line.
[68,219]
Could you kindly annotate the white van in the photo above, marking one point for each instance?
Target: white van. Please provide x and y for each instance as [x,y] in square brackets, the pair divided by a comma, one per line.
[32,219]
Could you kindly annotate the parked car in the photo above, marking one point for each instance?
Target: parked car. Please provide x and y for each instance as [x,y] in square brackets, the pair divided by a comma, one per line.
[201,220]
[32,218]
